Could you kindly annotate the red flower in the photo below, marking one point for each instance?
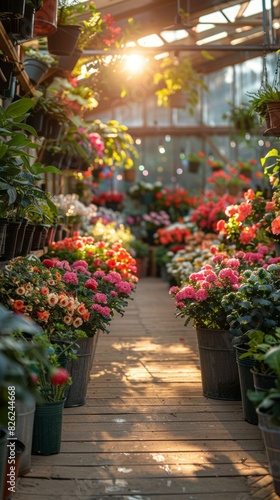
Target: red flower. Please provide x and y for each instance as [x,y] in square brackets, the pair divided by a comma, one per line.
[60,377]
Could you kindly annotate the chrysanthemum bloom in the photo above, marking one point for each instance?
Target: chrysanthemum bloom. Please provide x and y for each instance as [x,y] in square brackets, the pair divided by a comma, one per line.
[71,278]
[187,292]
[201,295]
[101,298]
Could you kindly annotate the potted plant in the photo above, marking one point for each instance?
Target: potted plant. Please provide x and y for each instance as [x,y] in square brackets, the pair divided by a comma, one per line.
[199,299]
[20,29]
[36,63]
[140,251]
[63,41]
[268,411]
[265,102]
[194,160]
[178,79]
[220,179]
[241,118]
[252,308]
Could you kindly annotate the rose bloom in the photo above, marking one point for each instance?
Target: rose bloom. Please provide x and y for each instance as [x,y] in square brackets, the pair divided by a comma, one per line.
[60,377]
[275,226]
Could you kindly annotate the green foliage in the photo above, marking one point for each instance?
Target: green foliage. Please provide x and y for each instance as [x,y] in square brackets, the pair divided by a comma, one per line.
[18,174]
[255,305]
[258,100]
[257,346]
[269,402]
[172,78]
[241,118]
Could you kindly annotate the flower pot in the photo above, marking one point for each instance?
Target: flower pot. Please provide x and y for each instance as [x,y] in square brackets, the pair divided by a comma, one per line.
[36,119]
[129,175]
[273,109]
[21,30]
[12,469]
[46,438]
[20,236]
[28,239]
[79,370]
[233,190]
[11,240]
[63,41]
[12,8]
[45,19]
[24,430]
[9,93]
[193,166]
[39,236]
[178,100]
[35,70]
[246,383]
[3,231]
[271,437]
[69,62]
[219,371]
[220,190]
[262,381]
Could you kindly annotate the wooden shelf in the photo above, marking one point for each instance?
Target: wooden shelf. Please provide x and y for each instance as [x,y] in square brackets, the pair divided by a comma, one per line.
[10,51]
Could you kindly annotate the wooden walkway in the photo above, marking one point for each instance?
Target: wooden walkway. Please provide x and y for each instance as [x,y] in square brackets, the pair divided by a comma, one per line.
[146,432]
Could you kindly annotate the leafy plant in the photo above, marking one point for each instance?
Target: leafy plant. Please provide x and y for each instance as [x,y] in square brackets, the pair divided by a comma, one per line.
[18,173]
[269,402]
[258,100]
[255,305]
[257,346]
[172,78]
[39,55]
[241,118]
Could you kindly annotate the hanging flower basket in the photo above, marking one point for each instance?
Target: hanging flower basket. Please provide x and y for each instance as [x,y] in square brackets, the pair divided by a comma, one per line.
[129,175]
[69,62]
[193,166]
[63,41]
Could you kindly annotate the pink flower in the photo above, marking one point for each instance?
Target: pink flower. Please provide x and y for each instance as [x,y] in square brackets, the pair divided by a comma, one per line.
[101,298]
[233,263]
[79,264]
[99,274]
[71,278]
[201,295]
[187,292]
[124,287]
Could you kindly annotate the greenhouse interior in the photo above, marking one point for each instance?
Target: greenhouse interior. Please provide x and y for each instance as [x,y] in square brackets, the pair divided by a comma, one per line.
[139,249]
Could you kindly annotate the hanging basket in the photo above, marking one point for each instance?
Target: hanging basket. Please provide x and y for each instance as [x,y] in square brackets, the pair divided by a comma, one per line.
[273,130]
[193,166]
[69,62]
[45,19]
[129,175]
[63,41]
[178,100]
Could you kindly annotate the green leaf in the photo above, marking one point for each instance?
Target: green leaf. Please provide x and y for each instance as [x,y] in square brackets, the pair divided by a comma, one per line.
[19,108]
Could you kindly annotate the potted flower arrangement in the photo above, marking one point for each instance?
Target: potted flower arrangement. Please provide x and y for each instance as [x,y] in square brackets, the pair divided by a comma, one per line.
[194,161]
[220,179]
[265,102]
[199,299]
[152,221]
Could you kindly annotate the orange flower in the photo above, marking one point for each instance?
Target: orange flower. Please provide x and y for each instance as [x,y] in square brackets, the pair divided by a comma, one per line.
[275,226]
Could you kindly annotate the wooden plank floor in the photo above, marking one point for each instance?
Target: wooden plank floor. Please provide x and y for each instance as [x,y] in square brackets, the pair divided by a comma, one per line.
[146,431]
